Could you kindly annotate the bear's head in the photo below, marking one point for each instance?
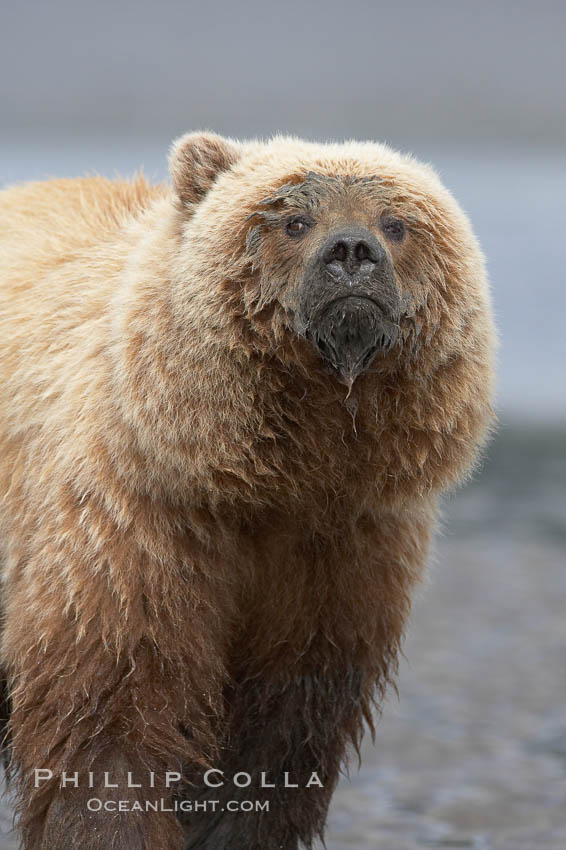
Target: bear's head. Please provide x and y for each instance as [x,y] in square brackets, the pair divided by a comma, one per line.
[351,252]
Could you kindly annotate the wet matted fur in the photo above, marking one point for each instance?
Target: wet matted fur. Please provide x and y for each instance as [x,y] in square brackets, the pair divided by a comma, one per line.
[209,541]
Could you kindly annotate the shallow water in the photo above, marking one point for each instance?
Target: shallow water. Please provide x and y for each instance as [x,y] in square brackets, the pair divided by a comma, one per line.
[473,754]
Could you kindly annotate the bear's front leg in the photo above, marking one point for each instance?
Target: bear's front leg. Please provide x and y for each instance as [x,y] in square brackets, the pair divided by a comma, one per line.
[273,783]
[115,677]
[324,625]
[97,748]
[110,814]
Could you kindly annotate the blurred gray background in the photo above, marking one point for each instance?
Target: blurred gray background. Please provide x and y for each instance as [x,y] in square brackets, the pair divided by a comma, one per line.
[474,753]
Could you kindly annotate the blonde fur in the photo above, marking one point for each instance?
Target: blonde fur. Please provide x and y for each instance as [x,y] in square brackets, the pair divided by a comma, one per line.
[188,501]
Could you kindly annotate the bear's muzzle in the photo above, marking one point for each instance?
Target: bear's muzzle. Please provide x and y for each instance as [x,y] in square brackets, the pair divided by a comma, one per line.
[350,306]
[349,335]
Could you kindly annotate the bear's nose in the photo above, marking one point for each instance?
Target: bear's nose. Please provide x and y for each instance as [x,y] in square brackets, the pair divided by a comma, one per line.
[350,251]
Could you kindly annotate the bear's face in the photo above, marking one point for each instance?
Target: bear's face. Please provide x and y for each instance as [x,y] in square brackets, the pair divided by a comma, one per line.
[355,249]
[329,239]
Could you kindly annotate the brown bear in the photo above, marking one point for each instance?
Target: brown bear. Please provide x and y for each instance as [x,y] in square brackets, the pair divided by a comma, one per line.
[228,408]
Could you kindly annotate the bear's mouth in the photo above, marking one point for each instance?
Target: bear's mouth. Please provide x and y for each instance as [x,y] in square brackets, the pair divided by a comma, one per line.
[349,333]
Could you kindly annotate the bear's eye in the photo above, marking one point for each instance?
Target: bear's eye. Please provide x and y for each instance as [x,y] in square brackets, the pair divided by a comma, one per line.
[393,228]
[298,225]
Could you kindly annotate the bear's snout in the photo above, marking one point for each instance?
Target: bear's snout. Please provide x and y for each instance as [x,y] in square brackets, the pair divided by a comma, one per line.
[353,255]
[350,305]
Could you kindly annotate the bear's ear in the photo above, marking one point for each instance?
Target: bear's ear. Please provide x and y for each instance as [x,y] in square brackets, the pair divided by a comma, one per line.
[195,161]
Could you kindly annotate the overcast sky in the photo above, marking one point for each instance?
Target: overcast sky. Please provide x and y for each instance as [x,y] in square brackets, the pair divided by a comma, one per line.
[476,86]
[463,71]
